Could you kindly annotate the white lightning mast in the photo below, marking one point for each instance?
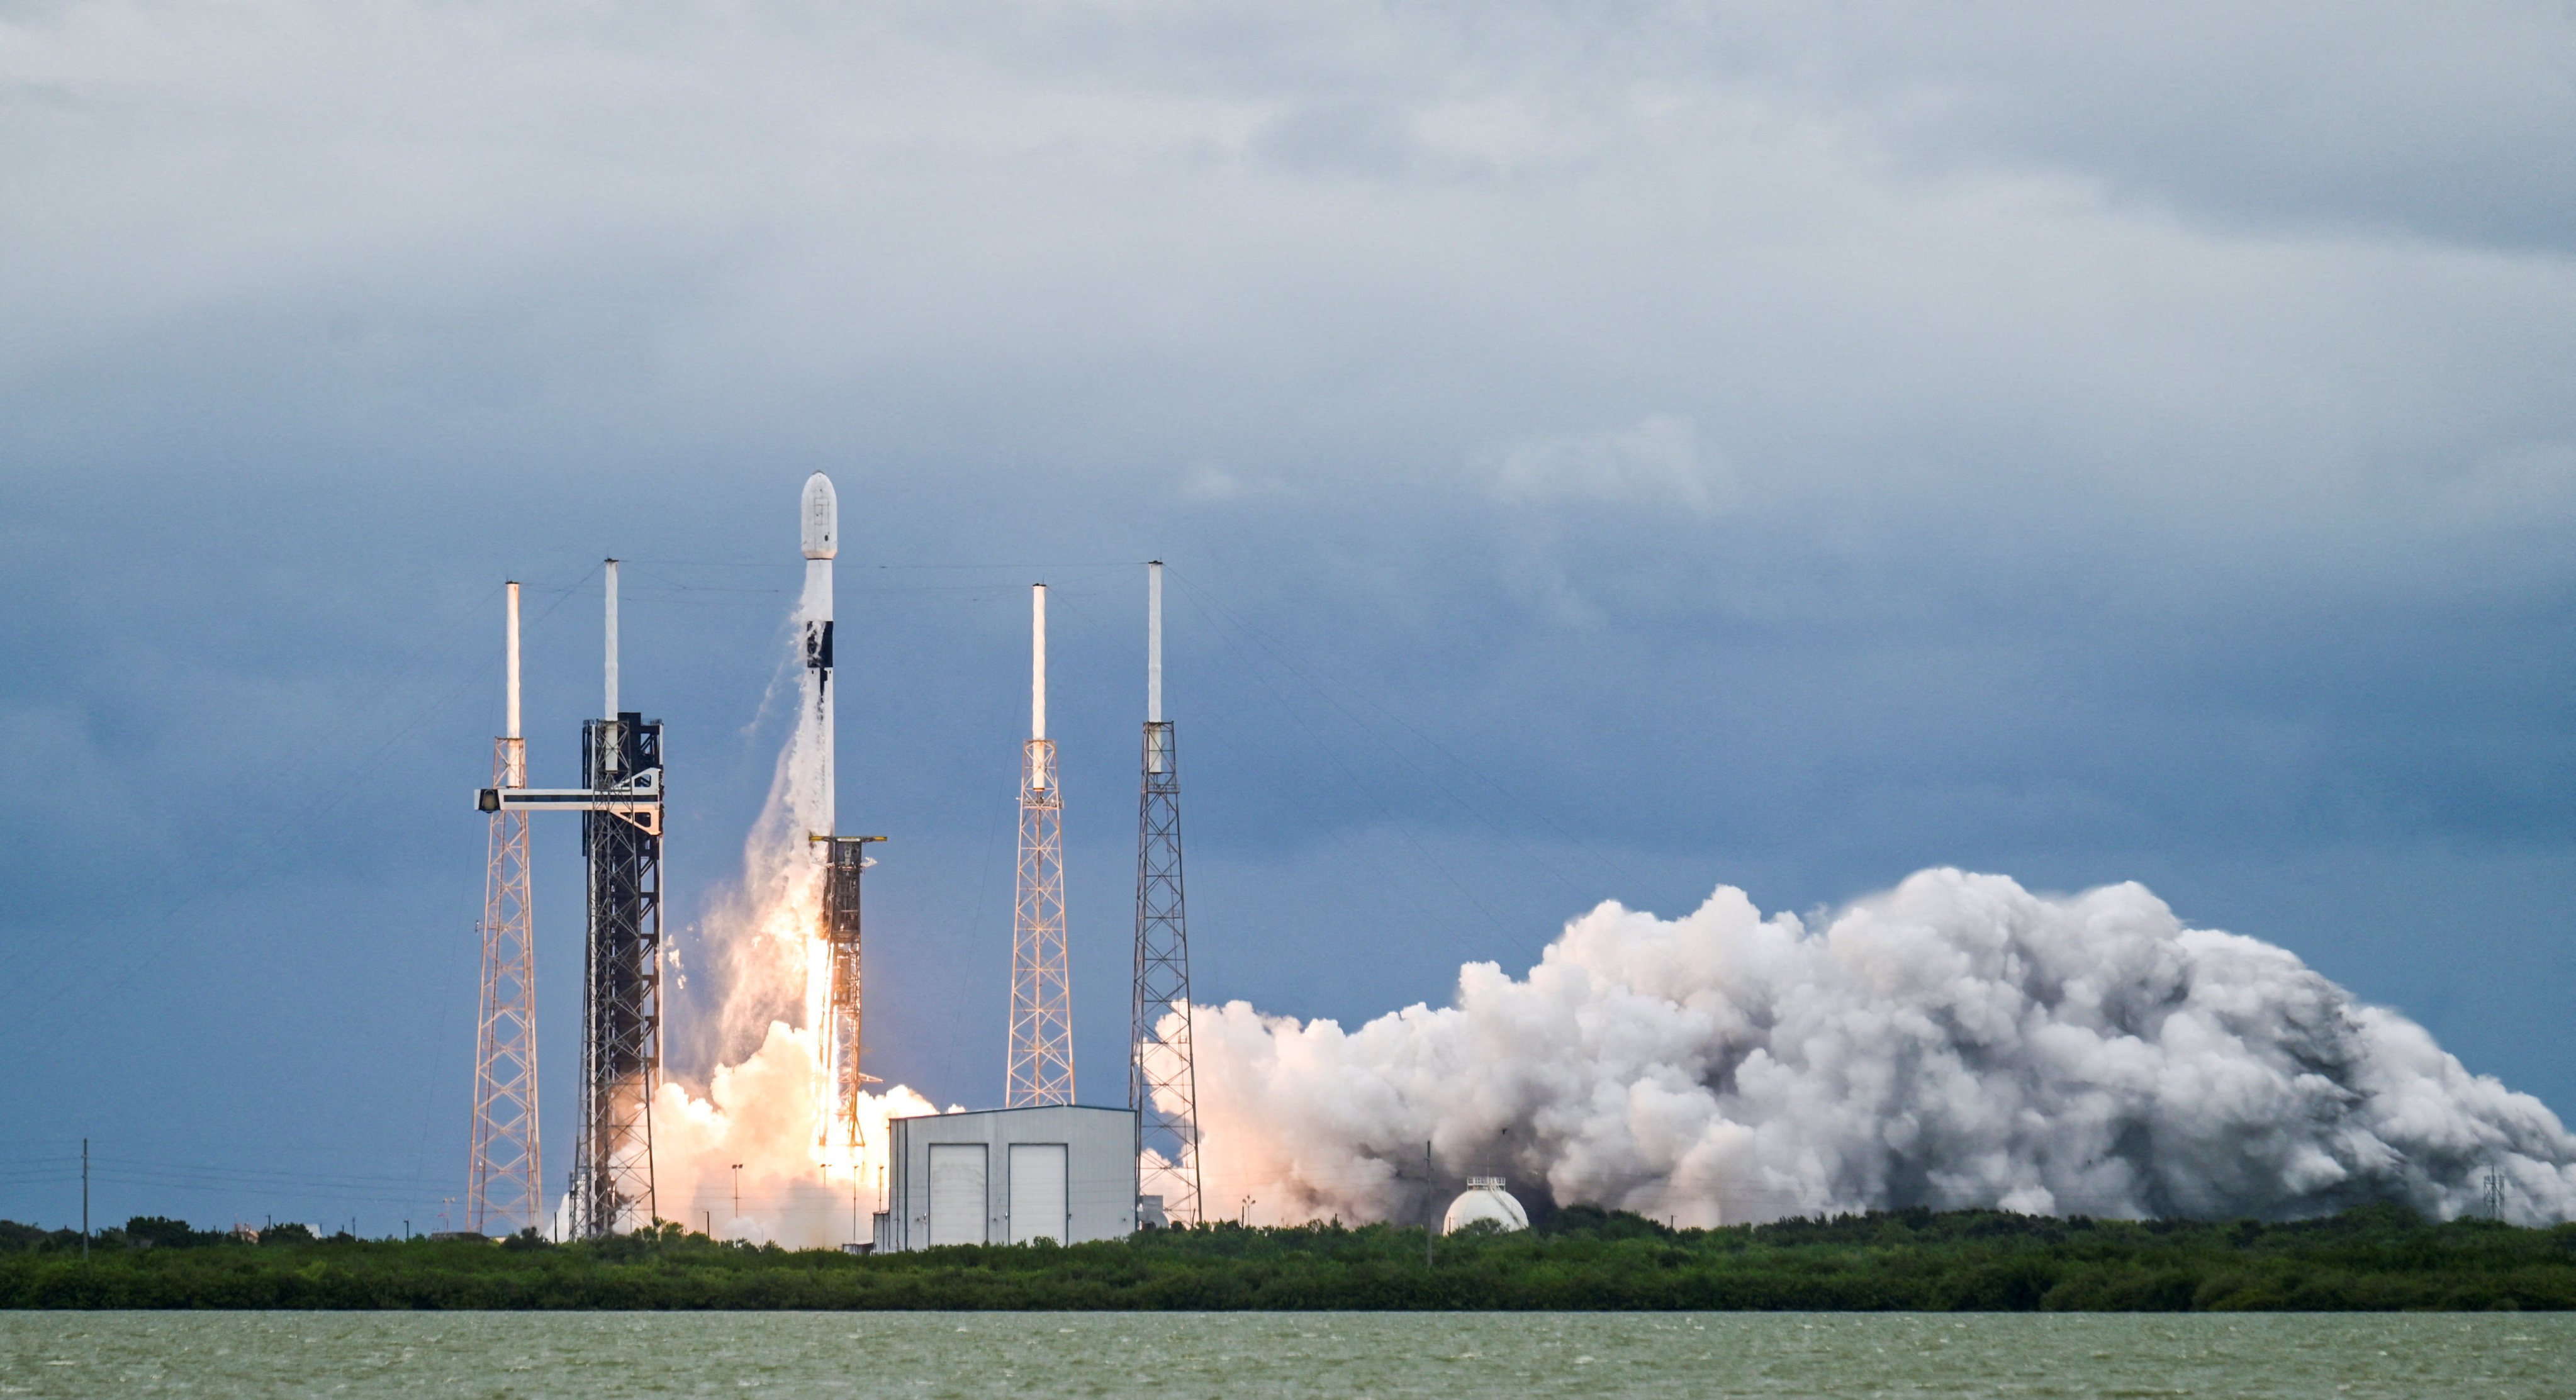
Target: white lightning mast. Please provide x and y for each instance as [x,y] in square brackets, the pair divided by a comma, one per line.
[1162,1076]
[1041,1060]
[504,1167]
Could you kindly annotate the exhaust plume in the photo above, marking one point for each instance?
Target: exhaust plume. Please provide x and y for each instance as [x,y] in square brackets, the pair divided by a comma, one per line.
[760,1105]
[1956,1042]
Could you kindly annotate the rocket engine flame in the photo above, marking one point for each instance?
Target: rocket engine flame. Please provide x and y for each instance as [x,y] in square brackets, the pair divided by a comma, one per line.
[1958,1041]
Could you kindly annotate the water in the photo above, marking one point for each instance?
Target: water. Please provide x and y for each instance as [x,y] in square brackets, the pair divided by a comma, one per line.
[1282,1354]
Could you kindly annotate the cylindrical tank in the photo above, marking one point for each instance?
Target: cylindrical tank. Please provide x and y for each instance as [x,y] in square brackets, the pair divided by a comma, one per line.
[1485,1200]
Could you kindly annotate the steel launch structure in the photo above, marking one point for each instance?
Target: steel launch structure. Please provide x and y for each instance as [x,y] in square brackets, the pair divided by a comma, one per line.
[505,1164]
[621,805]
[1162,1076]
[612,1188]
[1040,1070]
[621,802]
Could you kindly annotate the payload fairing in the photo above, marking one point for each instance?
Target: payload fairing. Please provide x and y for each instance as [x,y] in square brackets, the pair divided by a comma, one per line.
[820,516]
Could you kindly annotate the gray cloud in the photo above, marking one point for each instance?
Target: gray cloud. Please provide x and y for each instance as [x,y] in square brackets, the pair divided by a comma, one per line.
[2131,447]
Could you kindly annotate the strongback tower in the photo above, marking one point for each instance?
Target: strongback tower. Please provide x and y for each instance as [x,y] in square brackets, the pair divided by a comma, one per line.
[622,984]
[1041,1063]
[504,1167]
[622,993]
[1162,1080]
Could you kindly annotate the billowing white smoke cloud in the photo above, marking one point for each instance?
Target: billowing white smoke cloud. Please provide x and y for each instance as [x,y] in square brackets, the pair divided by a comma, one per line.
[1959,1041]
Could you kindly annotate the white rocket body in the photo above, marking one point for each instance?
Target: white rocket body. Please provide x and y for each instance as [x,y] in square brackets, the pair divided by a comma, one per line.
[820,515]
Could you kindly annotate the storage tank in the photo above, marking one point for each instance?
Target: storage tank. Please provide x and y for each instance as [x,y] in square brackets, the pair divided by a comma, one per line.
[1485,1200]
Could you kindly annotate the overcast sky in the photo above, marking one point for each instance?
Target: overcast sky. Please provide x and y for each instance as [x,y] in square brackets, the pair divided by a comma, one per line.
[1603,451]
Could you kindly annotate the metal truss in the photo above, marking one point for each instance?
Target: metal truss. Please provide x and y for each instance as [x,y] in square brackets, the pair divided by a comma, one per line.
[505,1167]
[1162,1078]
[1041,1065]
[622,985]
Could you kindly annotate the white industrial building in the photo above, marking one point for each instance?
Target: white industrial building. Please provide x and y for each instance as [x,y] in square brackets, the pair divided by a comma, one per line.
[1009,1176]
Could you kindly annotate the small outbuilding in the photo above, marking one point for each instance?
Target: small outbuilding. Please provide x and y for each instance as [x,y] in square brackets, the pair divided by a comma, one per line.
[1484,1203]
[1065,1173]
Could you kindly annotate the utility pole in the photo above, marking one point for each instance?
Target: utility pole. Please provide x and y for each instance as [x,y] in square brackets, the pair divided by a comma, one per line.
[737,1190]
[84,1200]
[1431,1218]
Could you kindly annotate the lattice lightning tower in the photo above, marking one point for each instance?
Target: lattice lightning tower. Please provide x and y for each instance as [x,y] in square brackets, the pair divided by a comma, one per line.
[505,1167]
[1162,1079]
[1041,1064]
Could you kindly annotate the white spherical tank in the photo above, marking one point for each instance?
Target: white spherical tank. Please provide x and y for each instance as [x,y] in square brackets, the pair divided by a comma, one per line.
[1485,1201]
[822,518]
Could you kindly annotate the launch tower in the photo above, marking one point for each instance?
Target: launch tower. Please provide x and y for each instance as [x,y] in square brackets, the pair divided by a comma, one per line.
[621,991]
[1162,1080]
[621,833]
[1041,1063]
[505,1166]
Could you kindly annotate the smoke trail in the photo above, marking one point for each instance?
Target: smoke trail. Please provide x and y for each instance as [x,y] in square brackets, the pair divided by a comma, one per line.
[760,1103]
[1958,1041]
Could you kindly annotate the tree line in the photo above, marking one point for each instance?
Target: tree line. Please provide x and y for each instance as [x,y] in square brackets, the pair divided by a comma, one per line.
[2379,1257]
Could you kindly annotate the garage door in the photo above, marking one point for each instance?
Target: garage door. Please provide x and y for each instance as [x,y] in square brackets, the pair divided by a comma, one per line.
[1037,1192]
[956,1193]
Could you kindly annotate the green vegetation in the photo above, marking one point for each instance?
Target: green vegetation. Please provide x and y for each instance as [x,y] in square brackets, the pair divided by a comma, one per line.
[2377,1257]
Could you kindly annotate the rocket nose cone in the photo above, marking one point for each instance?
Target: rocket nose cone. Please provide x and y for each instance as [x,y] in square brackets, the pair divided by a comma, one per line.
[822,518]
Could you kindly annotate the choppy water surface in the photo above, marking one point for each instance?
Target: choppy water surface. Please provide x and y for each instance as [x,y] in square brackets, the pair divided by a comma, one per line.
[1273,1354]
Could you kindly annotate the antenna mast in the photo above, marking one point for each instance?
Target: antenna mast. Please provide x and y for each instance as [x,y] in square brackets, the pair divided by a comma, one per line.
[504,1165]
[1041,1064]
[1162,1078]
